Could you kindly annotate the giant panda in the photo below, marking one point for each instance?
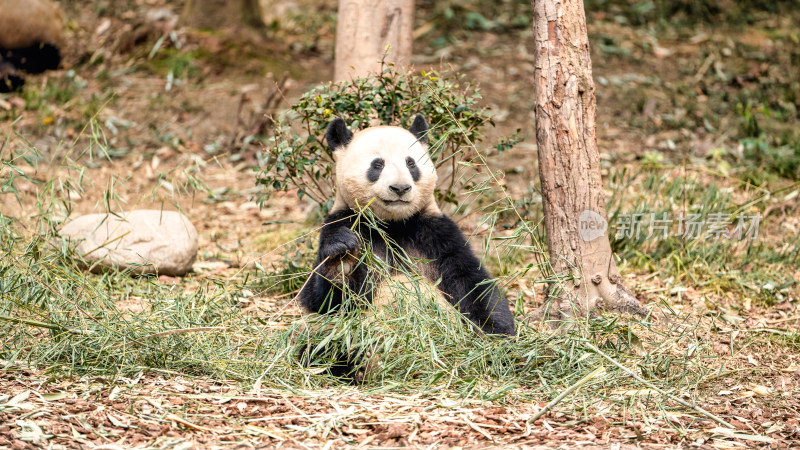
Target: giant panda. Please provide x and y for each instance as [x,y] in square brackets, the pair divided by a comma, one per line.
[388,169]
[31,32]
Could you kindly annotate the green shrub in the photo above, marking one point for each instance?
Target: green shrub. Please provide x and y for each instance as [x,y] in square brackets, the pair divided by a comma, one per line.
[296,157]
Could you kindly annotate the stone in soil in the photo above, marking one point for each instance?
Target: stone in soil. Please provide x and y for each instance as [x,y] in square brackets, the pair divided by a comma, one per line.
[145,241]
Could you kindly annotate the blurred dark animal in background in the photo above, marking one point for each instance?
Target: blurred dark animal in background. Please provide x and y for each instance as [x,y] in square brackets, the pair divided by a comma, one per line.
[31,35]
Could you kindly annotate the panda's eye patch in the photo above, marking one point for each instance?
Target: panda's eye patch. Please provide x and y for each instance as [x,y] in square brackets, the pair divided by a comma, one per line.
[375,169]
[412,167]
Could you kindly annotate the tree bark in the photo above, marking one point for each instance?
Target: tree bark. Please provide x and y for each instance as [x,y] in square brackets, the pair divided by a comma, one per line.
[365,29]
[223,14]
[569,166]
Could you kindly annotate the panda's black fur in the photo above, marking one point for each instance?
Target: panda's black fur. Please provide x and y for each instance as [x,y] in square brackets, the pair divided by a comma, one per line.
[35,58]
[464,282]
[426,233]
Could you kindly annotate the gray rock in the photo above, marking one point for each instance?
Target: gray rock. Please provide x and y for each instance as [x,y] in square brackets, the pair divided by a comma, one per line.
[149,241]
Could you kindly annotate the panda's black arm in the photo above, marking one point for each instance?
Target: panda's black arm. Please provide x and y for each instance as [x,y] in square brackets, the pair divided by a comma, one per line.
[336,239]
[464,282]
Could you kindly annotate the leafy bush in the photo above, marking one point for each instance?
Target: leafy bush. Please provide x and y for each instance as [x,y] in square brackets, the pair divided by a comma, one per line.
[297,157]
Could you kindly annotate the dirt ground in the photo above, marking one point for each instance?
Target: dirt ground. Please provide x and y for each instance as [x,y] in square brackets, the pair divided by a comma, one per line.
[162,127]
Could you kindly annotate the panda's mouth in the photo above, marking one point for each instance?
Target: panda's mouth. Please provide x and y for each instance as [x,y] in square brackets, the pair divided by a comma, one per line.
[395,202]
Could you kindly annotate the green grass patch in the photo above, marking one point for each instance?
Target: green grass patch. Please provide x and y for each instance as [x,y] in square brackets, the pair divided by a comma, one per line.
[54,315]
[701,247]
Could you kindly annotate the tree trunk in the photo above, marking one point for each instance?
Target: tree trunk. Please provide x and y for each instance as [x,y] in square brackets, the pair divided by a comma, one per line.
[569,166]
[365,29]
[223,14]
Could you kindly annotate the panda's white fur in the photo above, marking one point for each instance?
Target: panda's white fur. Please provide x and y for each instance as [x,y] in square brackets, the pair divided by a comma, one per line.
[393,145]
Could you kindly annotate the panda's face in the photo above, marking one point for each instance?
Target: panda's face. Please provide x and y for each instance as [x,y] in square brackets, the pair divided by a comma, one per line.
[387,168]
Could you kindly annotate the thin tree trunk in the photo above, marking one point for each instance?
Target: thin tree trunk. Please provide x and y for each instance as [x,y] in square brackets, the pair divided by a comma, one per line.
[223,14]
[569,165]
[365,29]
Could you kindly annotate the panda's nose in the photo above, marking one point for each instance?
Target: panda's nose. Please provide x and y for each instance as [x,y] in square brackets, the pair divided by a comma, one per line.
[400,189]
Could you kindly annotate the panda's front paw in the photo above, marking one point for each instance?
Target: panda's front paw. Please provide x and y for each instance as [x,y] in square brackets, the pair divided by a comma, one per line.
[339,243]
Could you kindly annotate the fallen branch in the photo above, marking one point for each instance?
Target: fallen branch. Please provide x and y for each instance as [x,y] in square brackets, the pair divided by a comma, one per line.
[167,333]
[659,390]
[566,392]
[31,323]
[188,424]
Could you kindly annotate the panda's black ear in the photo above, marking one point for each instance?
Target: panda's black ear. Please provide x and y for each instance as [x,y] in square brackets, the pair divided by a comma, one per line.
[420,129]
[338,135]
